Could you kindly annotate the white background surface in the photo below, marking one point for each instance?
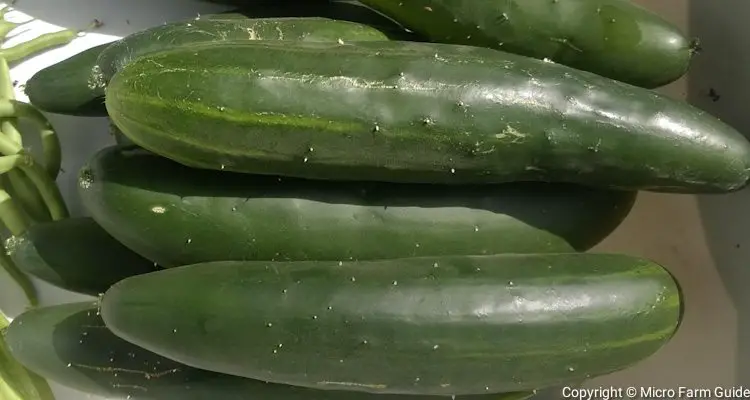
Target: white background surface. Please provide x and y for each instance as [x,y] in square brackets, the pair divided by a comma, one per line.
[704,241]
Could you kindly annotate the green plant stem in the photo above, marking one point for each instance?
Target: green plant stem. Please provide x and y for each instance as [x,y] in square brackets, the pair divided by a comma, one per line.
[6,27]
[9,128]
[22,190]
[17,223]
[8,92]
[40,43]
[7,8]
[8,147]
[51,150]
[13,219]
[8,163]
[47,189]
[41,179]
[15,182]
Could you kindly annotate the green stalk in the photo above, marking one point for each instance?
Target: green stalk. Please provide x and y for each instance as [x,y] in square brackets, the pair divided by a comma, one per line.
[16,183]
[13,219]
[51,150]
[47,189]
[42,42]
[8,163]
[17,223]
[6,27]
[9,147]
[8,7]
[10,129]
[8,92]
[37,191]
[23,191]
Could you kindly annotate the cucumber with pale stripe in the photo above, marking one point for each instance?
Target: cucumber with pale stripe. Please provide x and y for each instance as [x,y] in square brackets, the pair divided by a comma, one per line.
[226,27]
[79,82]
[453,325]
[417,113]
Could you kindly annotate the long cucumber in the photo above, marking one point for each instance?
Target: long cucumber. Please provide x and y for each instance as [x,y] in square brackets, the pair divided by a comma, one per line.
[226,27]
[175,215]
[66,87]
[417,112]
[614,38]
[69,344]
[454,325]
[76,86]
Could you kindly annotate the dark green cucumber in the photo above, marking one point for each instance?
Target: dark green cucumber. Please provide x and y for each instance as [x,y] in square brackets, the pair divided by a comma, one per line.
[75,254]
[452,325]
[77,85]
[614,38]
[418,112]
[344,10]
[66,87]
[226,27]
[175,215]
[70,345]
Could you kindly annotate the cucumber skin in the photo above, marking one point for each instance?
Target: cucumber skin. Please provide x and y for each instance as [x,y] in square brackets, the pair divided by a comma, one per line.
[75,254]
[175,215]
[367,114]
[79,83]
[70,345]
[471,325]
[342,10]
[65,87]
[226,27]
[613,38]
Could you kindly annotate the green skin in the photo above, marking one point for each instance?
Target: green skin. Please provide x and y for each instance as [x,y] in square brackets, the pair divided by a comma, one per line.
[613,38]
[430,326]
[342,10]
[70,345]
[228,27]
[16,381]
[79,82]
[417,112]
[175,215]
[64,87]
[75,254]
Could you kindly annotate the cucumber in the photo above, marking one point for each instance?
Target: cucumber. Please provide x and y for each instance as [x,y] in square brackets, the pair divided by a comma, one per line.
[452,325]
[417,112]
[70,345]
[81,80]
[344,10]
[66,87]
[226,27]
[614,38]
[175,215]
[75,254]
